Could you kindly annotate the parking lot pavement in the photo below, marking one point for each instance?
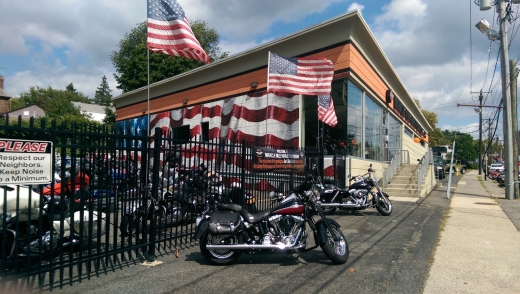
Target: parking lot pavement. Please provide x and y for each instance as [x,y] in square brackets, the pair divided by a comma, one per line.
[387,255]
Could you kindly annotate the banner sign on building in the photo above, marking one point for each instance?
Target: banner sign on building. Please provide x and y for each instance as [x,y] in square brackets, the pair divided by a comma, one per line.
[268,159]
[24,162]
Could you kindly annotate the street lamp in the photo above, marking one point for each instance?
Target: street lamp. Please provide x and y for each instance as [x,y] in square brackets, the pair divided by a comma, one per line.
[485,28]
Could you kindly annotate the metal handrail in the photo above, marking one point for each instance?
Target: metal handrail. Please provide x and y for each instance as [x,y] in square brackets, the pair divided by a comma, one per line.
[394,163]
[424,163]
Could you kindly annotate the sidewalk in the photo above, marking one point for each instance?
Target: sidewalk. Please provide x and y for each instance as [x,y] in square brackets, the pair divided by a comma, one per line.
[478,248]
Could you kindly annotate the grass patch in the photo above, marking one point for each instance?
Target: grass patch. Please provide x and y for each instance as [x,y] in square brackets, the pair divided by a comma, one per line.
[444,220]
[485,188]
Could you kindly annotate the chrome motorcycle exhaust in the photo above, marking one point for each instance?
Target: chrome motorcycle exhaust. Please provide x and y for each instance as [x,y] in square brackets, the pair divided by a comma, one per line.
[256,246]
[342,205]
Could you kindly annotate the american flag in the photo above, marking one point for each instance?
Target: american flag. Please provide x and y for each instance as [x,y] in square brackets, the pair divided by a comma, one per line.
[310,76]
[326,111]
[169,31]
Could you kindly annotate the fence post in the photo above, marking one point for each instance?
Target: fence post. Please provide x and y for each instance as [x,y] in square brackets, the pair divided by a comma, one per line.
[243,171]
[155,191]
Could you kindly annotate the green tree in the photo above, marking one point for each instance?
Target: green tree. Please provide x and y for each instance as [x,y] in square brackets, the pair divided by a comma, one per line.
[103,94]
[70,88]
[465,148]
[56,103]
[110,117]
[435,136]
[131,64]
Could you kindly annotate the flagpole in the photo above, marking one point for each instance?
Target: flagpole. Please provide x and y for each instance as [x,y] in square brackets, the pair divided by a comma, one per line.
[147,100]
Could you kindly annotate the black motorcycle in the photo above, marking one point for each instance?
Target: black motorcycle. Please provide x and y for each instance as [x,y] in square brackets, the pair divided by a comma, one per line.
[230,230]
[139,211]
[204,182]
[363,193]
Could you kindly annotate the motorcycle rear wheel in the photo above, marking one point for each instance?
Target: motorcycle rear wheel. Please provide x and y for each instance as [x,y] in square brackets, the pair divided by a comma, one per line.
[337,252]
[384,205]
[130,225]
[219,257]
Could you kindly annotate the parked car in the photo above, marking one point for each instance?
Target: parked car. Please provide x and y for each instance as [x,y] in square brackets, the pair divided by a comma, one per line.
[496,166]
[438,167]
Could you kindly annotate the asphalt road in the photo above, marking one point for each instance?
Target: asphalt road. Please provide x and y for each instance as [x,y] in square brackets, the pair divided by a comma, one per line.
[387,255]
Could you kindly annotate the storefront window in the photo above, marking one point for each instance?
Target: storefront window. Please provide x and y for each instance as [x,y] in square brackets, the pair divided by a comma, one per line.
[373,123]
[319,134]
[394,138]
[354,130]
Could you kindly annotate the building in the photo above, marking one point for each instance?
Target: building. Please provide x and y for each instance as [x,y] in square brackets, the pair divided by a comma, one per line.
[377,118]
[96,112]
[27,112]
[4,98]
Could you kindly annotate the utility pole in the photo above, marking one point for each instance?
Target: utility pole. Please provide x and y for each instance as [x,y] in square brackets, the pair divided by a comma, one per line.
[506,98]
[488,149]
[478,108]
[514,123]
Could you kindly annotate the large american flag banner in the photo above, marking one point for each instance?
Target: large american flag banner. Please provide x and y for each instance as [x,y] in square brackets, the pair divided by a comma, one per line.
[309,76]
[169,31]
[326,111]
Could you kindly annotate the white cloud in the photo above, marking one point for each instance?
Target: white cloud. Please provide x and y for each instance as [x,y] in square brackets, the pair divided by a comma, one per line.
[357,6]
[433,45]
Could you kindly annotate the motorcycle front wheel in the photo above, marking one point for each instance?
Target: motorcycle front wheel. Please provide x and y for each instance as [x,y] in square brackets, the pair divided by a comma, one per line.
[384,205]
[219,256]
[336,251]
[329,210]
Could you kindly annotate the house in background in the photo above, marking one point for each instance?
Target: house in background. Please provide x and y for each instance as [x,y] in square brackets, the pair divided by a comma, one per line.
[96,112]
[27,112]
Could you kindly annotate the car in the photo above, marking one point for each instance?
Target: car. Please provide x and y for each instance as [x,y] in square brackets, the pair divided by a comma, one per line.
[438,167]
[496,166]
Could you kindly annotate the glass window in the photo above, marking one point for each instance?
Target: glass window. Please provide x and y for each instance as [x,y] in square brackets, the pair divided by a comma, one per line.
[408,132]
[394,137]
[373,123]
[333,138]
[354,127]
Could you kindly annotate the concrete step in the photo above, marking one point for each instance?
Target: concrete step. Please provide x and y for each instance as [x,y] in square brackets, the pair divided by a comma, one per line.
[404,180]
[397,192]
[402,186]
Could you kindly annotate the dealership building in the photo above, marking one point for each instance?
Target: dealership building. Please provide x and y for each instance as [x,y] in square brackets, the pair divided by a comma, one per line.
[378,120]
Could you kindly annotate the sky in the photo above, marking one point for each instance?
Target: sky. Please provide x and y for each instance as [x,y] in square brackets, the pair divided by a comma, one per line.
[440,56]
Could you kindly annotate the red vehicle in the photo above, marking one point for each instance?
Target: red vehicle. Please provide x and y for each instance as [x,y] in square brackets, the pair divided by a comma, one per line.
[74,190]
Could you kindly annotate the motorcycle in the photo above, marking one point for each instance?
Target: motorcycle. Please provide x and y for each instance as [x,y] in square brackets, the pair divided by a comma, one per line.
[32,223]
[228,230]
[361,194]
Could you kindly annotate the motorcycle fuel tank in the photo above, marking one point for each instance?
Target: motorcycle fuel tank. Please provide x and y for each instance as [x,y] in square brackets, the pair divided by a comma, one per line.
[289,206]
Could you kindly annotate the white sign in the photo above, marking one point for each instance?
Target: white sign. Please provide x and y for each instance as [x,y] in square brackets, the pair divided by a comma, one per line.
[25,162]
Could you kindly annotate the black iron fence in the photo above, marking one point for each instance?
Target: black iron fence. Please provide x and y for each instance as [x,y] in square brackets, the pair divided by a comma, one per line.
[115,199]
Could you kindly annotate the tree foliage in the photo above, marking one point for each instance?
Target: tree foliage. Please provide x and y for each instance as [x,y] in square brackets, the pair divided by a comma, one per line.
[466,149]
[435,136]
[56,103]
[131,64]
[103,95]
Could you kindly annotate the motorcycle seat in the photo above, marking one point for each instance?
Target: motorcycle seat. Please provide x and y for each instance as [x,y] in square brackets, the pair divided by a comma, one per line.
[254,218]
